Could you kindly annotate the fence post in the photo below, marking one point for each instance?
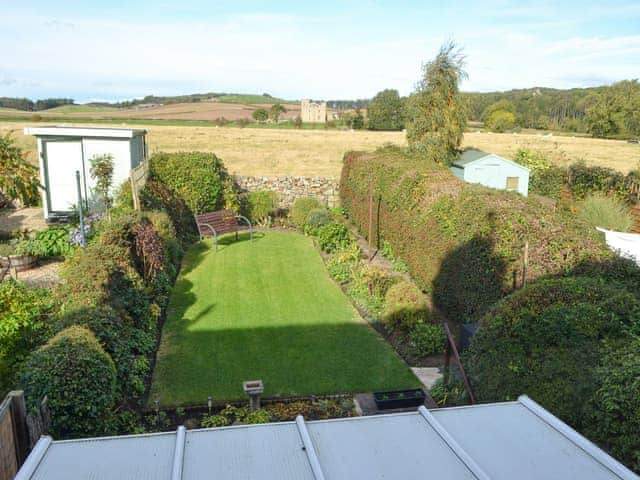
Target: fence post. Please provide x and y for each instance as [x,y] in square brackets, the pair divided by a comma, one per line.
[19,420]
[525,263]
[370,217]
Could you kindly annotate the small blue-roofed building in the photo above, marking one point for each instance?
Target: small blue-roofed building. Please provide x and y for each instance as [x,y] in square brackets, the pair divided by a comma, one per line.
[490,170]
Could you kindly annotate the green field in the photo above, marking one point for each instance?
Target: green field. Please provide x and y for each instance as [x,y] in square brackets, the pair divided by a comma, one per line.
[266,310]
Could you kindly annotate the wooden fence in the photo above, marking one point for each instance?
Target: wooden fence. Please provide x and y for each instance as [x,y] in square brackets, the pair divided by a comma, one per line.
[19,431]
[138,177]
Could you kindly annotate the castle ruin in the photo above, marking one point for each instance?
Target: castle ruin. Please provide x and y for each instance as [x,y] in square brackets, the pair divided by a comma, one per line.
[313,112]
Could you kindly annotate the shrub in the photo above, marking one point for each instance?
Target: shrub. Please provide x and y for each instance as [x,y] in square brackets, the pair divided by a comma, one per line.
[24,324]
[545,178]
[450,394]
[369,286]
[405,306]
[78,378]
[211,421]
[316,219]
[606,212]
[461,242]
[501,121]
[427,339]
[52,242]
[343,261]
[196,177]
[123,201]
[548,340]
[19,179]
[301,208]
[258,205]
[333,236]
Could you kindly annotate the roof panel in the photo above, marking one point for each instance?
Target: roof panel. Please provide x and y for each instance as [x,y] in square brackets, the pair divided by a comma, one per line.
[384,447]
[271,451]
[95,132]
[508,441]
[114,458]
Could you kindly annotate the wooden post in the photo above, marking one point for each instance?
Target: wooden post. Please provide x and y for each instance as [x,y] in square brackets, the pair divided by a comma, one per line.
[525,263]
[456,356]
[370,236]
[19,421]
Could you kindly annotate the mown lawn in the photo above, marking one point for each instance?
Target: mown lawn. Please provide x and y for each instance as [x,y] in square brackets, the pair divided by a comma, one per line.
[266,310]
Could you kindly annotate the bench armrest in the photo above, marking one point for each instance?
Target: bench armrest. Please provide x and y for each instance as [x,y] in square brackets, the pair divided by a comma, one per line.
[246,220]
[215,234]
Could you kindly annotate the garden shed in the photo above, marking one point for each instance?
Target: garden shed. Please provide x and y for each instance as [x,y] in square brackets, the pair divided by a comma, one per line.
[490,170]
[64,150]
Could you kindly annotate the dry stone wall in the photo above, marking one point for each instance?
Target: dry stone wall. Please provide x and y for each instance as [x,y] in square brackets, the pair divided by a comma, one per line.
[290,188]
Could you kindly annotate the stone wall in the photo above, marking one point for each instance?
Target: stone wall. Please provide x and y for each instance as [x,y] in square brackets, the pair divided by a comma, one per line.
[290,188]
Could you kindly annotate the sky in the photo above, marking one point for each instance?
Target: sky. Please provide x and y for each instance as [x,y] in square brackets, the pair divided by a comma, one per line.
[116,50]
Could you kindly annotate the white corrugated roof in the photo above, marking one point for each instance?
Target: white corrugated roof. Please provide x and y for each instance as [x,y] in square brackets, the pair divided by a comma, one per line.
[91,132]
[502,441]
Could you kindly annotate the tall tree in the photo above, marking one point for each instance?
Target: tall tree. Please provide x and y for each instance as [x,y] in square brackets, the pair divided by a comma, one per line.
[276,110]
[385,111]
[437,112]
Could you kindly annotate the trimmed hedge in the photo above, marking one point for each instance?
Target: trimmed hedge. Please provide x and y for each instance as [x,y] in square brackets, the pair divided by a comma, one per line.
[199,178]
[567,343]
[461,242]
[301,209]
[78,378]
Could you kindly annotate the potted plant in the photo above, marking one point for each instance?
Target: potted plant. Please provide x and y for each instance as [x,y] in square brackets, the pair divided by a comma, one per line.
[26,255]
[399,398]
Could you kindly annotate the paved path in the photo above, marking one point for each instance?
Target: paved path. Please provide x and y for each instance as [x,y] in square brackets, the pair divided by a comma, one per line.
[427,375]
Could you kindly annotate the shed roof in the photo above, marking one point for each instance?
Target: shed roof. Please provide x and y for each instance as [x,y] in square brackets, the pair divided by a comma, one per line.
[91,132]
[472,155]
[513,440]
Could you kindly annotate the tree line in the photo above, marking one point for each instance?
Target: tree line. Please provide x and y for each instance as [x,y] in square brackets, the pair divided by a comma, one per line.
[28,105]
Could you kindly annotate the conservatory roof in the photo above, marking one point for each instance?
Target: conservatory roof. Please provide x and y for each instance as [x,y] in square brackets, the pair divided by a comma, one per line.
[514,440]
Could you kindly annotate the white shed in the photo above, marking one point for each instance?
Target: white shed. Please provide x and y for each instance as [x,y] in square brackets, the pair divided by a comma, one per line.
[64,150]
[490,170]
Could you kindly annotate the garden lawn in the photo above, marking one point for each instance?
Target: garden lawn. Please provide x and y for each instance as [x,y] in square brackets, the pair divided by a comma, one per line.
[266,310]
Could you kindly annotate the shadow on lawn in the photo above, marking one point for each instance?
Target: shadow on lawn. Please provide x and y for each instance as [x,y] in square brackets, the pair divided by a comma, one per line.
[291,360]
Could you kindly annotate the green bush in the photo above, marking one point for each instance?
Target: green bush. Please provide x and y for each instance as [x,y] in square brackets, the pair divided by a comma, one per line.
[78,378]
[301,208]
[123,199]
[24,324]
[462,243]
[342,262]
[258,205]
[450,394]
[598,210]
[333,236]
[316,219]
[549,341]
[405,306]
[427,339]
[545,178]
[614,411]
[196,177]
[52,242]
[211,421]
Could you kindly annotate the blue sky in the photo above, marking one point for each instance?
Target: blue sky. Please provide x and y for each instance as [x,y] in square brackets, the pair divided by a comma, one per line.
[293,49]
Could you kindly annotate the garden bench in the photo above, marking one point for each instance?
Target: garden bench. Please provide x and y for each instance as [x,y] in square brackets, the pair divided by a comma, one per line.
[212,224]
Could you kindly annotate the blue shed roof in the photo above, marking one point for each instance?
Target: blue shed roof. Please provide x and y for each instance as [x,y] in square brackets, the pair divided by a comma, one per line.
[472,155]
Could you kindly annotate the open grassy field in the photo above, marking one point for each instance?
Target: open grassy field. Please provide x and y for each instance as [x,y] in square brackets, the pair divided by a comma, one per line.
[272,152]
[266,310]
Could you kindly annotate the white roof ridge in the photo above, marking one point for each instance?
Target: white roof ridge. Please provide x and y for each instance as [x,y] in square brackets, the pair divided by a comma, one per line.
[578,440]
[309,449]
[457,449]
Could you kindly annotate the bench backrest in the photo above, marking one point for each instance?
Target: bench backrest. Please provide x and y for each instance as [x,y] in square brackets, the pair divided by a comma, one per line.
[223,221]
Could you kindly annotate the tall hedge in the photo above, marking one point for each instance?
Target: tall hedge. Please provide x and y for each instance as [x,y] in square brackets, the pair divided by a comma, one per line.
[199,178]
[572,345]
[463,243]
[79,379]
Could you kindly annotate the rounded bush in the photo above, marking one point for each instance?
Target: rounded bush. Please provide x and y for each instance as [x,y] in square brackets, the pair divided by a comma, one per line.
[258,205]
[301,208]
[316,219]
[405,306]
[79,379]
[427,339]
[548,340]
[196,177]
[333,236]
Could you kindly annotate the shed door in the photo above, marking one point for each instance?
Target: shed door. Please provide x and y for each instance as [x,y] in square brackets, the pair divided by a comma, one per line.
[62,159]
[513,183]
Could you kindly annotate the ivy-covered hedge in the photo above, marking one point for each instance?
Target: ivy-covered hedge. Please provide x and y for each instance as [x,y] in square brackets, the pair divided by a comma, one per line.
[572,345]
[199,178]
[462,243]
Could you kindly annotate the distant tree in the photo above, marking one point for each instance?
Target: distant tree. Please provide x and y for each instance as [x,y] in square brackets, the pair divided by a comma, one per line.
[437,117]
[501,120]
[385,111]
[354,120]
[18,178]
[260,115]
[600,118]
[297,122]
[267,95]
[501,105]
[276,110]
